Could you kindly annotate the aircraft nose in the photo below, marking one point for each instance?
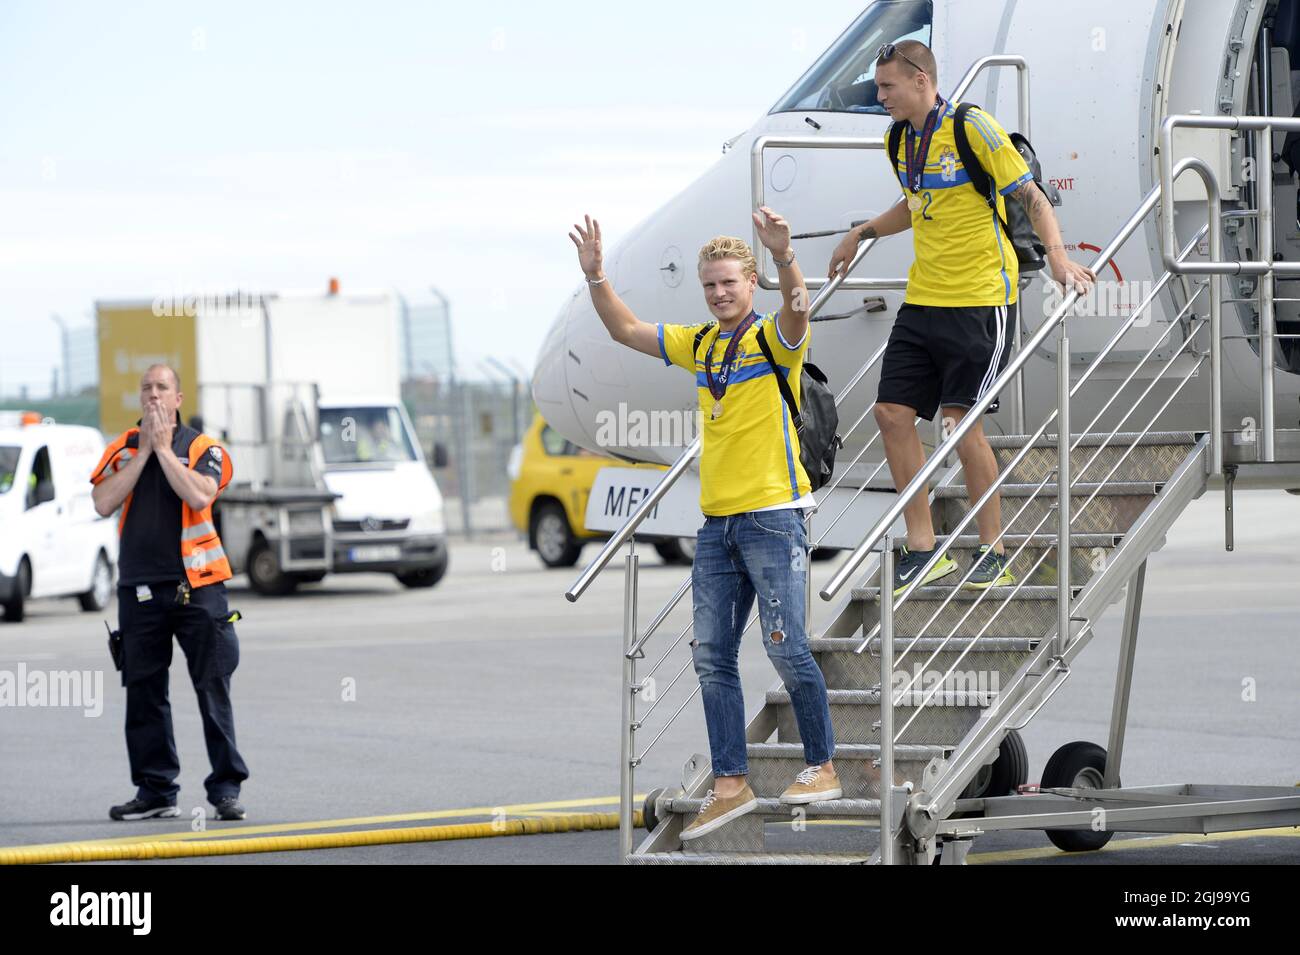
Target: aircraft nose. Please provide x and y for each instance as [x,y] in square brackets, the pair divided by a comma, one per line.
[551,380]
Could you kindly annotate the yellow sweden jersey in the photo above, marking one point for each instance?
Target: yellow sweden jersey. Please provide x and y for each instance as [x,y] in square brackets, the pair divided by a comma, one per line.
[962,256]
[750,457]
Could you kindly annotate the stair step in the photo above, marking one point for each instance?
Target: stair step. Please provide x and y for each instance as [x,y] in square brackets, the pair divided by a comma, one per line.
[1029,614]
[938,591]
[1077,489]
[926,645]
[1093,438]
[773,766]
[996,659]
[943,717]
[952,698]
[1041,539]
[746,858]
[850,808]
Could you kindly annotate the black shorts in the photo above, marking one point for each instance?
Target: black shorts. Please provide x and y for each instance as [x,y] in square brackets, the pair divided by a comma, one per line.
[945,356]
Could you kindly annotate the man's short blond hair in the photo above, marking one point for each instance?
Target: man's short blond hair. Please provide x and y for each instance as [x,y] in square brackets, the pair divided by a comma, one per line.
[728,247]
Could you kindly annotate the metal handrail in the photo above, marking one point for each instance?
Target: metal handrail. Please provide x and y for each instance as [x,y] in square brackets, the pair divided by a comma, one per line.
[1020,455]
[827,288]
[1019,360]
[1065,392]
[670,477]
[1043,520]
[1262,127]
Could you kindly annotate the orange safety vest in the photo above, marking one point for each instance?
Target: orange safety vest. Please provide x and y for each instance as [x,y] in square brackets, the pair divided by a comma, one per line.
[201,552]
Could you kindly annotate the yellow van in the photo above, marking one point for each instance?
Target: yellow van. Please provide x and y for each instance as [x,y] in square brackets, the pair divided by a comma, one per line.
[550,481]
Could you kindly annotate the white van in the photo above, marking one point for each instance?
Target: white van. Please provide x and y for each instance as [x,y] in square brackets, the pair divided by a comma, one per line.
[52,543]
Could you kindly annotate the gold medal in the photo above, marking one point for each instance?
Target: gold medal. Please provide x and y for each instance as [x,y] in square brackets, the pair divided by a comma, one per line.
[913,202]
[717,410]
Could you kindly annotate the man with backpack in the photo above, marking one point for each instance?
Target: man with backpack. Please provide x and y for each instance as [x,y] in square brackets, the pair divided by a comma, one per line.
[753,489]
[953,333]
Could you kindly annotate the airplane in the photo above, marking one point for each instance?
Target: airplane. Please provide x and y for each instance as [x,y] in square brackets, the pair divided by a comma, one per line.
[1103,76]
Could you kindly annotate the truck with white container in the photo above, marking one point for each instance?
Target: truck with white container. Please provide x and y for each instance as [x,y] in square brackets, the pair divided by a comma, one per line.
[304,390]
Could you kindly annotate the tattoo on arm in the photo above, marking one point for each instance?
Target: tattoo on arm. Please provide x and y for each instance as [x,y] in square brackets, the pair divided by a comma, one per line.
[867,233]
[1032,198]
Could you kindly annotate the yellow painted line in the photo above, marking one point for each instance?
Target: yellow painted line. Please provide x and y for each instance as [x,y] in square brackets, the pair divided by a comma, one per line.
[1157,842]
[229,832]
[73,852]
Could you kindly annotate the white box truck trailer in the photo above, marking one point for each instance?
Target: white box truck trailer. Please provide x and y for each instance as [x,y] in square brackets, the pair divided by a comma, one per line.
[304,390]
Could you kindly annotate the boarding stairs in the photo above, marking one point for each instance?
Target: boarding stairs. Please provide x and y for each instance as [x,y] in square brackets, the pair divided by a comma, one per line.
[972,668]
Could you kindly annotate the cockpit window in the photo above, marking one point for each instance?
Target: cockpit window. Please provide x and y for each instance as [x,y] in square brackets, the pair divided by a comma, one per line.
[843,80]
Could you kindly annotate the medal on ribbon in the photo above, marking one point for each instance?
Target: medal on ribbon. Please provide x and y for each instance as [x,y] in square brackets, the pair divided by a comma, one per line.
[718,386]
[916,156]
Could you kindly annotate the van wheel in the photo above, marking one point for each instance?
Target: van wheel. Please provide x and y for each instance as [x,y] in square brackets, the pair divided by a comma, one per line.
[13,609]
[424,577]
[556,545]
[101,586]
[264,573]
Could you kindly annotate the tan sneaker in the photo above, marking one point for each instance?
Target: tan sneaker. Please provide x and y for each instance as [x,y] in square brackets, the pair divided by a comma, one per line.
[717,812]
[812,785]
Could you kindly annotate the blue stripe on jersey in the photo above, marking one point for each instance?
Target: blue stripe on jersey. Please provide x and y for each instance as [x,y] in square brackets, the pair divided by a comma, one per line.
[744,373]
[789,452]
[662,350]
[935,180]
[1027,177]
[990,135]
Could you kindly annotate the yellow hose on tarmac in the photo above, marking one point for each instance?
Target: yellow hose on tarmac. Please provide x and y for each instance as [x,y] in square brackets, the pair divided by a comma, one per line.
[80,852]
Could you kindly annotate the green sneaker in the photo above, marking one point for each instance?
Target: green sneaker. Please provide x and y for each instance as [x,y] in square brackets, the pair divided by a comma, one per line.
[990,571]
[909,564]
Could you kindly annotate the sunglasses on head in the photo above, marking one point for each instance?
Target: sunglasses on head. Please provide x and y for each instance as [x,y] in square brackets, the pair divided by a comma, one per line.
[887,52]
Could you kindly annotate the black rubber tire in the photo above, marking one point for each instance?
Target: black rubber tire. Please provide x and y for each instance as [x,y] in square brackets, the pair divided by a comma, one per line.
[648,816]
[97,597]
[264,573]
[1076,765]
[424,577]
[680,551]
[1004,775]
[552,536]
[1011,768]
[15,608]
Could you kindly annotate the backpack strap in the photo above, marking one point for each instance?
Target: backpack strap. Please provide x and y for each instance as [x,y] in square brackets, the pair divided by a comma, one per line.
[980,179]
[699,337]
[895,137]
[781,383]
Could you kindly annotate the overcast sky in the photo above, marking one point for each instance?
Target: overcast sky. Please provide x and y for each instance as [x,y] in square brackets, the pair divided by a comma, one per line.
[149,148]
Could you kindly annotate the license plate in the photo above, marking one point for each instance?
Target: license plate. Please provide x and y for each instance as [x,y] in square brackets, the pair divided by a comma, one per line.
[375,553]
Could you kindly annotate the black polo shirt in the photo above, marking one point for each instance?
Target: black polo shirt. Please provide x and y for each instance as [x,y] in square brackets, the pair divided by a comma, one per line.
[151,537]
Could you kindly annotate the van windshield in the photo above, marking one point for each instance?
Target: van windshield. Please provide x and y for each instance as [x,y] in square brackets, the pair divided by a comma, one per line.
[8,466]
[364,435]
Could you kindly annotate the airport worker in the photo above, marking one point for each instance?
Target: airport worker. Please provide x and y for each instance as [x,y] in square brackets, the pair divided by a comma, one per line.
[954,331]
[753,492]
[165,476]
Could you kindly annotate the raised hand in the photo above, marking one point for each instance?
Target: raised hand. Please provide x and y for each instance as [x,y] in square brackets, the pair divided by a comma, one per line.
[773,232]
[590,256]
[162,428]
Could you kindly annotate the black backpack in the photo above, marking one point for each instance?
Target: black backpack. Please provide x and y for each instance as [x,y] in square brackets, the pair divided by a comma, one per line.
[1029,247]
[815,426]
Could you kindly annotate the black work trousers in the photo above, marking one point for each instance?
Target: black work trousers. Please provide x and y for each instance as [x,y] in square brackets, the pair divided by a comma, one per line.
[211,655]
